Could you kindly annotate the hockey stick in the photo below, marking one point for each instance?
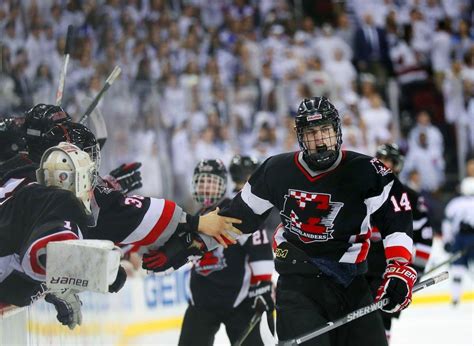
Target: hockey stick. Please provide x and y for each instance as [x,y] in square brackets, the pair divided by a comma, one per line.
[108,82]
[62,75]
[360,312]
[253,322]
[450,260]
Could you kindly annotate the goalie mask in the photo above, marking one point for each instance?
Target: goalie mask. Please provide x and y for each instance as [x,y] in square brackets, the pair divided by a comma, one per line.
[209,182]
[74,133]
[392,153]
[69,168]
[318,129]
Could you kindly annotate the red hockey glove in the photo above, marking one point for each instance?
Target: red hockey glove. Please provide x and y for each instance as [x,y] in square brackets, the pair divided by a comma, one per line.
[119,281]
[397,285]
[126,177]
[175,253]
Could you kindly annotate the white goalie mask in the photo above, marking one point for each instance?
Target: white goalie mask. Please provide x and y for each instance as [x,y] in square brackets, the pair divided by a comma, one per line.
[69,168]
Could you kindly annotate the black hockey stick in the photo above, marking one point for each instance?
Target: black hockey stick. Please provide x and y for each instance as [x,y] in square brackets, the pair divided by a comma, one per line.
[457,255]
[108,82]
[359,313]
[253,322]
[62,75]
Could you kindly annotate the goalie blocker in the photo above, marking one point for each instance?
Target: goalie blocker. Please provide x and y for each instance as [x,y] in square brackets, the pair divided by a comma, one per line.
[82,265]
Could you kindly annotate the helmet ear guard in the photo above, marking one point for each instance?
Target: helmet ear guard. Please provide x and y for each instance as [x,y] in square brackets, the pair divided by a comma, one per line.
[69,168]
[318,111]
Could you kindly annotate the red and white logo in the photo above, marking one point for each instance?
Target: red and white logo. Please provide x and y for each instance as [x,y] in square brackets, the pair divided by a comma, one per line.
[314,117]
[380,167]
[310,215]
[212,261]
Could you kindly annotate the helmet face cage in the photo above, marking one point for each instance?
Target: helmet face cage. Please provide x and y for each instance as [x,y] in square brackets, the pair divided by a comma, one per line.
[208,189]
[209,182]
[391,151]
[311,124]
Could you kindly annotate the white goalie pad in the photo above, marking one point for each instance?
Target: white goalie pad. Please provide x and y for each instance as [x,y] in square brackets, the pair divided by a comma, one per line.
[82,265]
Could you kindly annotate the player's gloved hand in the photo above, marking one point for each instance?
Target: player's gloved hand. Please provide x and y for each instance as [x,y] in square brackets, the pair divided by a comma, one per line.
[262,301]
[68,307]
[261,294]
[126,177]
[175,253]
[119,281]
[448,247]
[397,285]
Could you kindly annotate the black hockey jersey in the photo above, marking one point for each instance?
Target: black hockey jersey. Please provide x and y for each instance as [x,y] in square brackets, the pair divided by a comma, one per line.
[222,277]
[32,215]
[329,214]
[422,238]
[134,220]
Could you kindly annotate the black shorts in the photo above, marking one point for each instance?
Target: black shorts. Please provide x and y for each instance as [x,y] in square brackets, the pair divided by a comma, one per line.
[307,302]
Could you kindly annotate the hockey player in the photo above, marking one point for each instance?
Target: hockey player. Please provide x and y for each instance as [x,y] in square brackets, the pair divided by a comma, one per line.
[327,199]
[32,215]
[389,154]
[458,234]
[227,285]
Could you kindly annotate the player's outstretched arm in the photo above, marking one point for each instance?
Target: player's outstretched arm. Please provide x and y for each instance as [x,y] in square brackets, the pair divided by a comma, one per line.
[219,227]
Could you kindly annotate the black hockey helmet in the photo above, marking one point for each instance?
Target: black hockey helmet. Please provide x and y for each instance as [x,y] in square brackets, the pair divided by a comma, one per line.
[12,140]
[209,182]
[42,117]
[391,151]
[241,167]
[74,133]
[318,111]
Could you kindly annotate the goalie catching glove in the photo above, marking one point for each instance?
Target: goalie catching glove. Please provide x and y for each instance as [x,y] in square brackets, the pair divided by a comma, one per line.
[397,285]
[175,253]
[68,307]
[125,178]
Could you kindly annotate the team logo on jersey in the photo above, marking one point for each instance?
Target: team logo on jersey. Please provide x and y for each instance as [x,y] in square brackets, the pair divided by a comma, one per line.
[310,215]
[212,261]
[380,168]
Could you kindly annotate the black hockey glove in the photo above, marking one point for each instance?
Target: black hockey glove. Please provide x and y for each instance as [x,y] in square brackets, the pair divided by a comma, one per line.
[175,253]
[262,301]
[119,281]
[261,294]
[68,307]
[127,176]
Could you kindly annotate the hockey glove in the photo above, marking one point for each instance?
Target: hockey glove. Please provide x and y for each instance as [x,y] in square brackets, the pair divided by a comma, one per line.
[397,285]
[126,177]
[261,294]
[175,253]
[68,307]
[119,281]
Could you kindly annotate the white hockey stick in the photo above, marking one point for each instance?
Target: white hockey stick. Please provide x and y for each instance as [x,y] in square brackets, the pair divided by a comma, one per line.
[359,313]
[62,75]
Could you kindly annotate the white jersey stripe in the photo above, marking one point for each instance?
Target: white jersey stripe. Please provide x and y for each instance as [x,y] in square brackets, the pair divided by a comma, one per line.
[152,217]
[399,239]
[262,267]
[257,204]
[417,224]
[244,290]
[373,204]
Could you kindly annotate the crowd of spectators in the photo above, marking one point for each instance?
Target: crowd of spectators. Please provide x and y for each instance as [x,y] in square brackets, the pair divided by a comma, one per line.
[211,78]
